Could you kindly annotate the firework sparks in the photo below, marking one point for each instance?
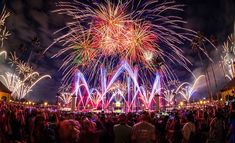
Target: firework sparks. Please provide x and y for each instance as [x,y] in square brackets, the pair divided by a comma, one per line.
[4,53]
[228,57]
[24,69]
[20,88]
[170,91]
[187,90]
[64,88]
[13,83]
[65,97]
[118,86]
[107,33]
[23,80]
[169,95]
[4,33]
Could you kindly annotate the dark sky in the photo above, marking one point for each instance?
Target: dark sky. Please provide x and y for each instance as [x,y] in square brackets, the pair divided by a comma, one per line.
[33,18]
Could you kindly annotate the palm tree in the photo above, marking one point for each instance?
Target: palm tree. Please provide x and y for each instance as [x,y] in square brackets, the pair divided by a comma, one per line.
[214,42]
[198,46]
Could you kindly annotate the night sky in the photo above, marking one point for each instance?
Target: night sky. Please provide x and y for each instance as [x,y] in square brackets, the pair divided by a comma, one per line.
[33,18]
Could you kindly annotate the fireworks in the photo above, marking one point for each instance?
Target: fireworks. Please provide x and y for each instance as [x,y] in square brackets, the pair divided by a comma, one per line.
[4,33]
[26,78]
[187,90]
[171,90]
[228,57]
[65,94]
[23,80]
[20,88]
[118,86]
[65,97]
[65,88]
[168,96]
[130,93]
[106,33]
[14,84]
[24,69]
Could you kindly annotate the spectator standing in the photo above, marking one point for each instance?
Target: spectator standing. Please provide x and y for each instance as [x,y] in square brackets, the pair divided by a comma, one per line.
[189,129]
[69,131]
[89,133]
[217,128]
[143,131]
[231,128]
[122,131]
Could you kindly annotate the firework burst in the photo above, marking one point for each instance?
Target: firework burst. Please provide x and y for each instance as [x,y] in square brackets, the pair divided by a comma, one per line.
[64,88]
[20,87]
[228,57]
[15,85]
[187,90]
[23,80]
[109,32]
[168,95]
[24,69]
[65,97]
[4,33]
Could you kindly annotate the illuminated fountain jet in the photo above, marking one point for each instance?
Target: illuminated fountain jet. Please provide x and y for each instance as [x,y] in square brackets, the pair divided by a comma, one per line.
[187,90]
[168,95]
[103,96]
[171,90]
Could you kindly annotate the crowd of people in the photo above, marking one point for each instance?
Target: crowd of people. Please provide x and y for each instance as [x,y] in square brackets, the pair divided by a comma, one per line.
[19,124]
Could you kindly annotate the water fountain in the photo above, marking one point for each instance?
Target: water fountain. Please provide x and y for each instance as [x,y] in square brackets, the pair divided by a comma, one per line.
[128,92]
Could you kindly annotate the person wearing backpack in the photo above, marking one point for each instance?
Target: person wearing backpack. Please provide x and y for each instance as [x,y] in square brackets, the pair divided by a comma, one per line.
[189,129]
